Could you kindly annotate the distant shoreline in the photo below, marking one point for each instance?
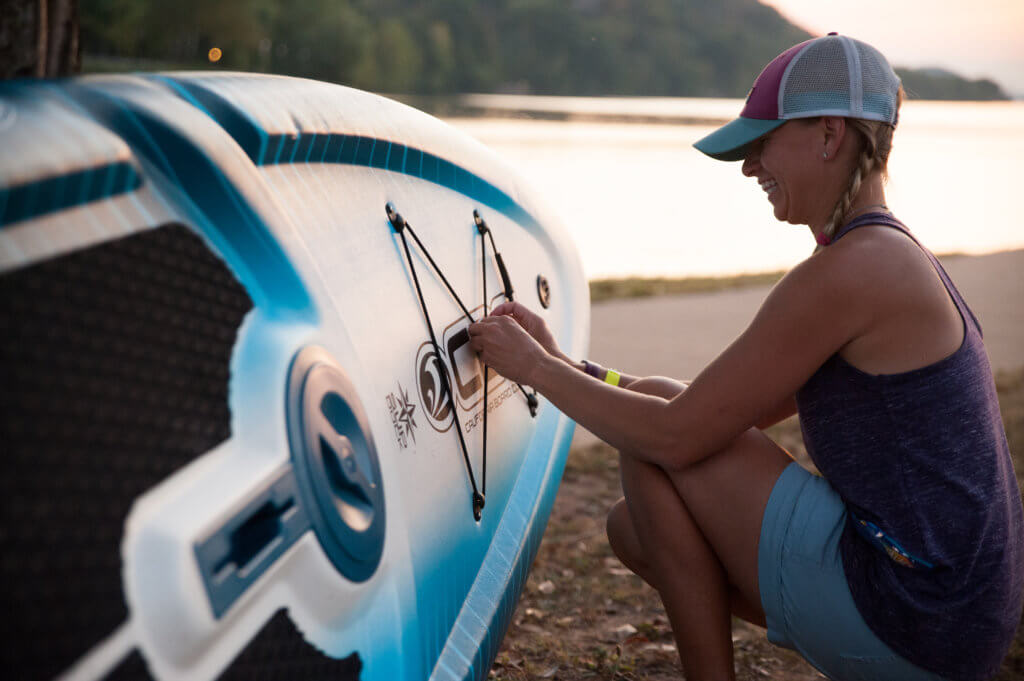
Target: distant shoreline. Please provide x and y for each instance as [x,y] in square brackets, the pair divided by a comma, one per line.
[552,108]
[671,111]
[614,288]
[617,288]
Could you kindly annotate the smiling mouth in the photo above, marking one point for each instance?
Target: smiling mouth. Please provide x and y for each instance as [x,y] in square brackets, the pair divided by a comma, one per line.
[768,185]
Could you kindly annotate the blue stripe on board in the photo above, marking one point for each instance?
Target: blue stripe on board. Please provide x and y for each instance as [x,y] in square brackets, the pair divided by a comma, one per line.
[363,151]
[33,199]
[265,149]
[318,149]
[429,171]
[333,152]
[380,154]
[286,150]
[413,162]
[246,133]
[399,158]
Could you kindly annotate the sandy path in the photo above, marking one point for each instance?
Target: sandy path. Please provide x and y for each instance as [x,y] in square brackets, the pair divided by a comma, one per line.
[678,335]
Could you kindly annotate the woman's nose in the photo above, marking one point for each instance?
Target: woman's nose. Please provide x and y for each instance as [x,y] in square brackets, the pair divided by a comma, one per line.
[752,162]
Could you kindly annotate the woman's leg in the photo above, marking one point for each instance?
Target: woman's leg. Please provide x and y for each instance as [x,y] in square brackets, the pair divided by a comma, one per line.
[693,535]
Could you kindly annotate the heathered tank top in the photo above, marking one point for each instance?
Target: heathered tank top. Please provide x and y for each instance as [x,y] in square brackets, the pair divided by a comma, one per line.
[933,546]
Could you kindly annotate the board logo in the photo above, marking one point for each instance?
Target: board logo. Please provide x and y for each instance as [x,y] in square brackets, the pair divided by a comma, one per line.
[436,407]
[402,411]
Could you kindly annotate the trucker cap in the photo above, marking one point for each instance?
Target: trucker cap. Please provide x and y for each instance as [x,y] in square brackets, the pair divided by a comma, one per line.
[829,76]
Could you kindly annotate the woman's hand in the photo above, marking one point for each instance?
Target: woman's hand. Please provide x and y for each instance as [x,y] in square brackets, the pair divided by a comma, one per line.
[504,345]
[534,325]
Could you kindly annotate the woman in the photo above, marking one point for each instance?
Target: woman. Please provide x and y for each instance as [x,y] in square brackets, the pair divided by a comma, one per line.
[906,560]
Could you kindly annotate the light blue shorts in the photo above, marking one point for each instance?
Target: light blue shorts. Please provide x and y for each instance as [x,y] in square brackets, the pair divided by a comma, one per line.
[804,593]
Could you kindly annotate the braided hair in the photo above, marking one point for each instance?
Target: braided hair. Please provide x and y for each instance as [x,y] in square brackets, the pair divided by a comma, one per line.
[876,143]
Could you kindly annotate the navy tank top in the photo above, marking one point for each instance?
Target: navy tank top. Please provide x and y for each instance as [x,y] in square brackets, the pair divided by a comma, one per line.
[933,546]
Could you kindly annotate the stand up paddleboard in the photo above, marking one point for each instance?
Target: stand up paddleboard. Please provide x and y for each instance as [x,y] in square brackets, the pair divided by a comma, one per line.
[243,433]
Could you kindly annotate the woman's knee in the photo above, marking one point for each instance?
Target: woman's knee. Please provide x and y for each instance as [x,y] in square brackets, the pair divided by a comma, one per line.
[623,540]
[616,525]
[619,528]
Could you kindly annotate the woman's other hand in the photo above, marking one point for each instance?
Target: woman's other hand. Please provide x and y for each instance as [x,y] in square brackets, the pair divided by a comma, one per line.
[533,324]
[505,345]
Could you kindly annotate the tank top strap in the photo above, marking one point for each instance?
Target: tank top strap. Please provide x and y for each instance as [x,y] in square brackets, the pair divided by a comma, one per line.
[873,219]
[887,220]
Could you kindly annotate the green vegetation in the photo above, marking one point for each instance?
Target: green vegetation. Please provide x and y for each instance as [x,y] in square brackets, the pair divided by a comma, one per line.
[577,47]
[583,47]
[642,287]
[940,84]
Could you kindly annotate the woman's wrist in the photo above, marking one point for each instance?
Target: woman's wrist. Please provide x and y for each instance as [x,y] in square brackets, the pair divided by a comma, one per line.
[609,376]
[593,369]
[543,368]
[565,358]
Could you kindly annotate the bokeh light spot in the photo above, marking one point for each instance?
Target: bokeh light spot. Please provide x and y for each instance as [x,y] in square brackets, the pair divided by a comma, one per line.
[215,54]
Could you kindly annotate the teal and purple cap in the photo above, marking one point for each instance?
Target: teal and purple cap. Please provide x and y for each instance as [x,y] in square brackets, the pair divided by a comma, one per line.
[829,76]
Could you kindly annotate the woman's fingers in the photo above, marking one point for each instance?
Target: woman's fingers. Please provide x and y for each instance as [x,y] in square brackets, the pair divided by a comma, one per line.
[517,311]
[504,345]
[478,331]
[505,308]
[530,321]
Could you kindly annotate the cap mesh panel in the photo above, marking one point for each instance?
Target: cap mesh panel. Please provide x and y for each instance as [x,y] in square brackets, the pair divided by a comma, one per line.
[819,80]
[880,83]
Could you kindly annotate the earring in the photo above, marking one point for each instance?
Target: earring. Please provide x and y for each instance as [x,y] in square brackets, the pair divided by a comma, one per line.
[824,155]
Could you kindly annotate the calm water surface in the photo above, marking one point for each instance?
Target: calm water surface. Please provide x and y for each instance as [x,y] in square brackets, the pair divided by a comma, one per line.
[640,200]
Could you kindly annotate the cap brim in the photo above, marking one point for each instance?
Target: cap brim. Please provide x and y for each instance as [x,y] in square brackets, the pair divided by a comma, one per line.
[730,142]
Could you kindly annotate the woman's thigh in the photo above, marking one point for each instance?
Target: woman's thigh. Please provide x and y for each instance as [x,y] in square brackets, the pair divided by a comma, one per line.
[726,494]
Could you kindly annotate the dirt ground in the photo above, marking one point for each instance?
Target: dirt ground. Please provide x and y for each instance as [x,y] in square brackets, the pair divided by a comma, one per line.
[583,615]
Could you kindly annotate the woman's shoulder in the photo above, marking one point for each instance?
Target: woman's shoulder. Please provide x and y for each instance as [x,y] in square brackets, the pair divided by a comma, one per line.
[870,275]
[885,279]
[874,259]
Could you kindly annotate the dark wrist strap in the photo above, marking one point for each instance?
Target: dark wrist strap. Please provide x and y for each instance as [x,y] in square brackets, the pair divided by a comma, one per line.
[595,370]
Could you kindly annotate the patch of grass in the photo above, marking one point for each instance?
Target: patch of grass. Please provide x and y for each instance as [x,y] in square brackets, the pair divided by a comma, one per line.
[640,287]
[584,616]
[612,288]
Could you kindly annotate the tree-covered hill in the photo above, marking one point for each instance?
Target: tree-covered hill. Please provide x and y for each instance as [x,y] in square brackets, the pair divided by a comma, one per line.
[941,84]
[568,47]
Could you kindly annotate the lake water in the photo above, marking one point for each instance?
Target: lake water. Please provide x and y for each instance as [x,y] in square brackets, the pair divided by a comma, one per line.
[639,199]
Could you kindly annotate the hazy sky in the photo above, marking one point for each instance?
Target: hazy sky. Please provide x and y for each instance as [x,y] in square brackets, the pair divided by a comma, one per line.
[975,38]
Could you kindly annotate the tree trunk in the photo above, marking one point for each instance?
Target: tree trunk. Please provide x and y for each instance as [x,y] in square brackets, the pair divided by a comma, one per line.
[39,38]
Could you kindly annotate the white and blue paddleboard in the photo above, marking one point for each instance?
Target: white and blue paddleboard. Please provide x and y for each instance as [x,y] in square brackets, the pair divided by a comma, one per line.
[233,446]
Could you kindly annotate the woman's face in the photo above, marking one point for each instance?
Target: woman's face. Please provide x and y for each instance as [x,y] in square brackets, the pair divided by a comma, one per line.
[787,165]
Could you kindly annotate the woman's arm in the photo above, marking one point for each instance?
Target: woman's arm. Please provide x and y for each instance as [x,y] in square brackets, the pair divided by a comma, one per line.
[808,316]
[535,326]
[781,412]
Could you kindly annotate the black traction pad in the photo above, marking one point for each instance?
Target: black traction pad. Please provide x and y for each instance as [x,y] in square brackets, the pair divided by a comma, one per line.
[277,653]
[280,653]
[114,368]
[131,668]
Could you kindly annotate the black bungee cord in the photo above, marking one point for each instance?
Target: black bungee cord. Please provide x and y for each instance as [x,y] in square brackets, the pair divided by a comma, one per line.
[400,225]
[482,228]
[506,281]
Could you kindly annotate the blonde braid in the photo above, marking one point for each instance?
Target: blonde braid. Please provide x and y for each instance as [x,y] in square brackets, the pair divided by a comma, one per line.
[864,165]
[876,138]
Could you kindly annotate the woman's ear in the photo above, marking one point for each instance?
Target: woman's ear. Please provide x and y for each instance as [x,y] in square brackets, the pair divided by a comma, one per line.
[833,131]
